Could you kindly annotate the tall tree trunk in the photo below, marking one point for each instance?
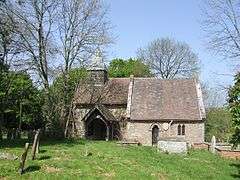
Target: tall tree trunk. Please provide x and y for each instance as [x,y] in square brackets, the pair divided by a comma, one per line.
[47,106]
[1,131]
[9,134]
[19,130]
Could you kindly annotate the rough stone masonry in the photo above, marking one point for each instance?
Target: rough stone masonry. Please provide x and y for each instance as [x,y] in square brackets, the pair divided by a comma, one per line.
[145,110]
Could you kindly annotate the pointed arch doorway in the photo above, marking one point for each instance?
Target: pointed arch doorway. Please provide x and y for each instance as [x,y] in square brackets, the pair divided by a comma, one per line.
[155,135]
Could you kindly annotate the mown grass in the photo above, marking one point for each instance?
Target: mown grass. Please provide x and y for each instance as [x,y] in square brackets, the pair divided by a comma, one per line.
[67,160]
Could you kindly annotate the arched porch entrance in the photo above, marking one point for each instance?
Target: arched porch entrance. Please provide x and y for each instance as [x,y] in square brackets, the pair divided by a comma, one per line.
[100,124]
[97,129]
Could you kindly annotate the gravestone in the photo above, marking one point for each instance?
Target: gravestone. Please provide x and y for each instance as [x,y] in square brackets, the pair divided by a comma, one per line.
[173,146]
[213,145]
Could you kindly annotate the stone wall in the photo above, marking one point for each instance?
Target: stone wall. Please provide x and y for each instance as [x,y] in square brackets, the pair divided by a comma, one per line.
[228,153]
[79,115]
[205,146]
[98,76]
[194,132]
[142,132]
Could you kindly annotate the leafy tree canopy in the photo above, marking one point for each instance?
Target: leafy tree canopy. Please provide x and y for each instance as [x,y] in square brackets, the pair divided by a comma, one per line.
[20,100]
[61,95]
[234,104]
[125,68]
[218,124]
[73,79]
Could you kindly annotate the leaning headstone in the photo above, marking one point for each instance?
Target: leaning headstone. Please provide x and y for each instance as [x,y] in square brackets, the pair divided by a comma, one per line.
[23,158]
[213,144]
[35,144]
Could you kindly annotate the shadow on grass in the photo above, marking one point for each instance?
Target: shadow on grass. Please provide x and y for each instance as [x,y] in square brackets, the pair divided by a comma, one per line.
[44,158]
[42,151]
[6,143]
[20,143]
[236,165]
[66,142]
[32,169]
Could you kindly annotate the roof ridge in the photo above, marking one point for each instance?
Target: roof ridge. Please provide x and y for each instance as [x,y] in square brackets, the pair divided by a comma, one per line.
[164,79]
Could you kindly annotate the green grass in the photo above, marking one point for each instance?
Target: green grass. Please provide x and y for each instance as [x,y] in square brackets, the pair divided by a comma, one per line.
[67,160]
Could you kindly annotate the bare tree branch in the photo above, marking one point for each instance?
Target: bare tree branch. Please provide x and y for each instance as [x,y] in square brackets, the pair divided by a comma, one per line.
[169,59]
[221,25]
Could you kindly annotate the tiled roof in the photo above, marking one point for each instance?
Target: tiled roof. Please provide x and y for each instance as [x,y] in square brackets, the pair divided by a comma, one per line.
[103,111]
[115,92]
[151,98]
[155,99]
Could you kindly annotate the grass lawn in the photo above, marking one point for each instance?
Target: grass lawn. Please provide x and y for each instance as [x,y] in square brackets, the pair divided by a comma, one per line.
[67,160]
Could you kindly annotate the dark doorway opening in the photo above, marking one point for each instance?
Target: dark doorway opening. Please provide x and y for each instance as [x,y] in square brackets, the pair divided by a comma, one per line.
[97,129]
[155,134]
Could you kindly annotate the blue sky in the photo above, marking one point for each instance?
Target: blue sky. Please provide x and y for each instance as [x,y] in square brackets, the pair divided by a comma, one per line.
[137,22]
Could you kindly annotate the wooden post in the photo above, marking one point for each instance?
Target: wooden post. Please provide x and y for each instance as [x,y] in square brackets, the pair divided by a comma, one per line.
[37,148]
[35,144]
[23,158]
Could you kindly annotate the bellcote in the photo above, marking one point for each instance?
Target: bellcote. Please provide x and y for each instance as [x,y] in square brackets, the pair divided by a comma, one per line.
[98,70]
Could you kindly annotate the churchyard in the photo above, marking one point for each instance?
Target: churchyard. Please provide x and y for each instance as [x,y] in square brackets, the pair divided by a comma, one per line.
[82,159]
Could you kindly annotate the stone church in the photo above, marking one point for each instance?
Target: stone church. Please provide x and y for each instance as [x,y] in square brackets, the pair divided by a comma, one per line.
[142,110]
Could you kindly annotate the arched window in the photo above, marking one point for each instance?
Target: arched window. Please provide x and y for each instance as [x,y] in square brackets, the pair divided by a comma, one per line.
[183,129]
[179,129]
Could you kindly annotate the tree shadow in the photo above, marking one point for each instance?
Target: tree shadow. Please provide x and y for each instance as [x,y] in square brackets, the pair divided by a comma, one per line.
[20,143]
[66,142]
[44,158]
[42,151]
[16,143]
[32,169]
[236,165]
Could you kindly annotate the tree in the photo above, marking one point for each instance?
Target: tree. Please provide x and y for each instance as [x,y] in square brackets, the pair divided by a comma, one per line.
[219,124]
[125,68]
[234,105]
[212,97]
[66,30]
[35,20]
[3,92]
[83,28]
[168,58]
[221,24]
[20,102]
[9,40]
[75,78]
